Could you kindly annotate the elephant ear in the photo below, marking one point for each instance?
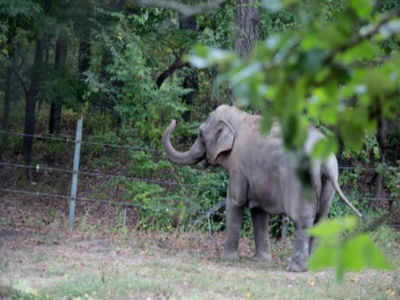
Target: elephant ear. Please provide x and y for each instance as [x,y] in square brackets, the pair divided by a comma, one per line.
[224,138]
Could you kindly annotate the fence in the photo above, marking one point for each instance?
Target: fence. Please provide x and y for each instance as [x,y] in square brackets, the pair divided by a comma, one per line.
[73,197]
[75,172]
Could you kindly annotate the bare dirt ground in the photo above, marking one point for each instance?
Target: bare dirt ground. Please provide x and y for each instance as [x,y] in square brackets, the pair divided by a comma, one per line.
[41,259]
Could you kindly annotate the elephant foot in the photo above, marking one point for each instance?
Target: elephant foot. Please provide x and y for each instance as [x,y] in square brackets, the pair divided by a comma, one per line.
[231,256]
[296,266]
[263,257]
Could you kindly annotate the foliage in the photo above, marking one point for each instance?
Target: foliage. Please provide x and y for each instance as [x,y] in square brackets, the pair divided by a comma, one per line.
[392,179]
[21,7]
[354,253]
[337,71]
[129,86]
[163,206]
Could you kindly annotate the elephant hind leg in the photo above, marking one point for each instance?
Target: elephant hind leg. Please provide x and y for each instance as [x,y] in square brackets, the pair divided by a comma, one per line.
[261,237]
[325,201]
[298,261]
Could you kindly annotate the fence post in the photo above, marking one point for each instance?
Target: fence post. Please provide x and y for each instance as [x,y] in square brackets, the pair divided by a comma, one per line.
[75,171]
[124,216]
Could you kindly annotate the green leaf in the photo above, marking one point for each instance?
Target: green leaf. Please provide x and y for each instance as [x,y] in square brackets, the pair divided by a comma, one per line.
[311,61]
[366,50]
[363,8]
[323,256]
[203,57]
[332,228]
[324,147]
[360,252]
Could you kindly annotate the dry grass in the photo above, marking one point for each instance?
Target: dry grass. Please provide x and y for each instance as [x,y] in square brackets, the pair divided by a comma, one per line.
[157,266]
[40,259]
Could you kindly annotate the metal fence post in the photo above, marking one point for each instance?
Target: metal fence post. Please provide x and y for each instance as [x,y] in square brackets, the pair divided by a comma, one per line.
[74,185]
[124,216]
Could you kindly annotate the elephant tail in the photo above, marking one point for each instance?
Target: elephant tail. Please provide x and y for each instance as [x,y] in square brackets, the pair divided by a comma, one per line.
[332,173]
[343,197]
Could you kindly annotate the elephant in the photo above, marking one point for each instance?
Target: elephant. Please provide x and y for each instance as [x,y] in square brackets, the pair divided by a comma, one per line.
[263,178]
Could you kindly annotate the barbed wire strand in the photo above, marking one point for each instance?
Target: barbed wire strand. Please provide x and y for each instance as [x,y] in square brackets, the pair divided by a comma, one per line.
[202,214]
[72,141]
[95,200]
[39,167]
[41,194]
[155,151]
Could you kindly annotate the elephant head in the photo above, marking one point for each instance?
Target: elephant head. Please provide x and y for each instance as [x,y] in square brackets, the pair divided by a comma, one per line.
[216,137]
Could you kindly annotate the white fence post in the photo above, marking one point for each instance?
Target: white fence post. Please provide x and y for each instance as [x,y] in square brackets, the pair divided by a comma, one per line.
[75,171]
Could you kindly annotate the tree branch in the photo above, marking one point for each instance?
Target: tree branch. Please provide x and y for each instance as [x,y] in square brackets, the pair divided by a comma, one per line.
[178,63]
[369,33]
[186,10]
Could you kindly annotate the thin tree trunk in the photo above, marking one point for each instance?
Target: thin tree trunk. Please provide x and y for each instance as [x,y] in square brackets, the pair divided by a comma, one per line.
[59,65]
[246,29]
[84,62]
[8,86]
[380,137]
[31,95]
[191,80]
[30,103]
[6,110]
[84,55]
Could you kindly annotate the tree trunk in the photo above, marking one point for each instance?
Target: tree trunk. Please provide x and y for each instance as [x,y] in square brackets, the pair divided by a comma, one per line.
[246,29]
[31,95]
[6,110]
[191,80]
[84,55]
[380,138]
[8,86]
[30,103]
[84,62]
[59,65]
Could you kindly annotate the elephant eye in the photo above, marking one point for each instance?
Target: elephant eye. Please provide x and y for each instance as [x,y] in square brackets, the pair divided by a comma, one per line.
[201,134]
[219,131]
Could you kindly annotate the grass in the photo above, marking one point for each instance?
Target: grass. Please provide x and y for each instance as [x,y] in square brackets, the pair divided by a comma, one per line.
[41,260]
[136,265]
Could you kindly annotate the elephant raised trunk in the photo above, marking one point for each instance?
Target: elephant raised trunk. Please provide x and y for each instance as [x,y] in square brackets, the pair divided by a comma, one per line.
[193,156]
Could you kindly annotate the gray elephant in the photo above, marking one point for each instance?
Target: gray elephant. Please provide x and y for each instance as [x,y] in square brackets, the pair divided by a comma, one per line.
[262,178]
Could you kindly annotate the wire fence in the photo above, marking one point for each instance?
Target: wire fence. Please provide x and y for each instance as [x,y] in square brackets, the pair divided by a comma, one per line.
[8,187]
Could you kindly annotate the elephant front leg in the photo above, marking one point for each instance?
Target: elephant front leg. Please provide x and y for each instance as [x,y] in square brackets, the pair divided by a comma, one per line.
[237,192]
[234,222]
[261,237]
[298,261]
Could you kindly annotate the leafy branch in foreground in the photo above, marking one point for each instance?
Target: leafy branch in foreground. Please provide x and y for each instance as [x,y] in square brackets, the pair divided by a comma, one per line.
[353,253]
[331,70]
[332,74]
